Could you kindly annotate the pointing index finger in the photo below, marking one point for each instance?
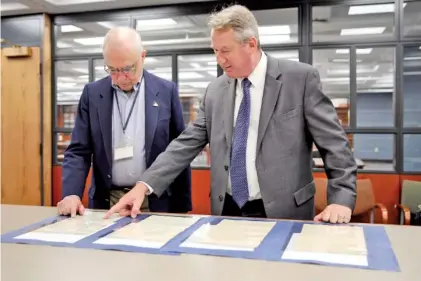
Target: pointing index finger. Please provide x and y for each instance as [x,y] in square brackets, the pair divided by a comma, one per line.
[114,209]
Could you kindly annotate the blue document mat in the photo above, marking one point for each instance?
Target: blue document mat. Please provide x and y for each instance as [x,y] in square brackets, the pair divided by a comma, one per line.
[380,253]
[88,242]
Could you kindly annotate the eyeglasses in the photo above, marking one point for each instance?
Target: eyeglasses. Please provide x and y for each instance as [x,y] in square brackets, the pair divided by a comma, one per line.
[124,70]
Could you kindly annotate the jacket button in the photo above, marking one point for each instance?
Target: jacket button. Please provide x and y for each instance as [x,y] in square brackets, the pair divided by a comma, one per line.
[221,198]
[226,167]
[109,176]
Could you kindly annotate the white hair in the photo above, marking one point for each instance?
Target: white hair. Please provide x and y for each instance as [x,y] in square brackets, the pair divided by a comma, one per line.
[123,36]
[240,19]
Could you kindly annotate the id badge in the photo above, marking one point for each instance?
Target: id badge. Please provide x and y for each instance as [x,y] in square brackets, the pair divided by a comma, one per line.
[124,151]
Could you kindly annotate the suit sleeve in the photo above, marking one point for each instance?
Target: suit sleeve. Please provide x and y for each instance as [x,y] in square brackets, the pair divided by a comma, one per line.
[178,155]
[331,141]
[77,157]
[181,187]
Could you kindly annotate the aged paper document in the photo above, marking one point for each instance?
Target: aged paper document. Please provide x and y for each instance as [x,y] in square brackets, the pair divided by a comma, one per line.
[328,243]
[152,232]
[229,234]
[71,230]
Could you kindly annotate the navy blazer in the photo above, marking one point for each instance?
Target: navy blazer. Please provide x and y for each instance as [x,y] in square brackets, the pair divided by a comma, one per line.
[91,142]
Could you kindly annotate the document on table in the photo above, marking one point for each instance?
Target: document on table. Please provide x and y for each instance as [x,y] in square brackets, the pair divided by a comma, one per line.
[328,243]
[237,235]
[153,232]
[71,230]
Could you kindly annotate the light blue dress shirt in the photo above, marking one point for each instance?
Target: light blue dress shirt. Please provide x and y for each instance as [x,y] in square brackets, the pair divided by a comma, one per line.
[126,172]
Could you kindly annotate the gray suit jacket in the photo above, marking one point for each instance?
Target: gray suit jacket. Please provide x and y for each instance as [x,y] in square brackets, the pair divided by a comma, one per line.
[294,114]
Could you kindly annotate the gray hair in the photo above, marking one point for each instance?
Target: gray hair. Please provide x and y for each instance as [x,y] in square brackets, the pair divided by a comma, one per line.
[239,18]
[118,36]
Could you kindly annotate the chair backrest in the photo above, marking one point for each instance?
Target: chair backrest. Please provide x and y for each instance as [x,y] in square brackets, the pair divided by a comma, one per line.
[320,198]
[365,197]
[411,195]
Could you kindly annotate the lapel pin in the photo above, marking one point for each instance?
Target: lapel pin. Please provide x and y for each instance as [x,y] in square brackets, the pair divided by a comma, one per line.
[155,104]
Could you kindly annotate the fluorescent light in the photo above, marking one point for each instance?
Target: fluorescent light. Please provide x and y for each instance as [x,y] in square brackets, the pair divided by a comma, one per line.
[362,31]
[213,73]
[154,22]
[412,58]
[195,65]
[371,9]
[365,51]
[81,70]
[359,51]
[360,69]
[66,85]
[150,60]
[212,63]
[274,29]
[340,60]
[272,39]
[70,28]
[74,2]
[195,84]
[63,45]
[87,50]
[90,41]
[12,6]
[189,75]
[106,24]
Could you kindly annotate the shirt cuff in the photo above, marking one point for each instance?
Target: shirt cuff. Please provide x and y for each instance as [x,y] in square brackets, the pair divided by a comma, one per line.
[148,186]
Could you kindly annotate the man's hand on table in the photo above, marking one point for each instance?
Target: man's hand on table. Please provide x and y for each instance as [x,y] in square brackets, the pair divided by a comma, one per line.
[334,213]
[130,203]
[70,205]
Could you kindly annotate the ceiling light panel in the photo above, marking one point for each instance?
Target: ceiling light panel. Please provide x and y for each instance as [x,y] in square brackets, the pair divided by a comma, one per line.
[359,51]
[70,28]
[362,31]
[12,7]
[91,41]
[372,9]
[155,22]
[74,2]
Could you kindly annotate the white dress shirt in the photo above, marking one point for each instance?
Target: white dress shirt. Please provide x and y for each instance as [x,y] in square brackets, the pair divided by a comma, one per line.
[257,79]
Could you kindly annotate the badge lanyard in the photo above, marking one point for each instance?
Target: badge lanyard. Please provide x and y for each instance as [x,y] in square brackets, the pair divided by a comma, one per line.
[124,125]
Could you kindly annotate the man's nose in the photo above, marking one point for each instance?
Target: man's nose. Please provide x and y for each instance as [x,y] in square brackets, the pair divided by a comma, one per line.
[220,59]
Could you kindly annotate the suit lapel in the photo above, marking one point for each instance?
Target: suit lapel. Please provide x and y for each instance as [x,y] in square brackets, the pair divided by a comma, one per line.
[229,99]
[105,110]
[271,94]
[151,111]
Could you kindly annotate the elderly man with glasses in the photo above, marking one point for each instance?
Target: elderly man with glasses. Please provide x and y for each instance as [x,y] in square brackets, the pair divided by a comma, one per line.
[124,121]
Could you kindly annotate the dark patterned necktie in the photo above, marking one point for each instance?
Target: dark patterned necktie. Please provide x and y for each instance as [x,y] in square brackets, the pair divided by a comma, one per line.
[238,172]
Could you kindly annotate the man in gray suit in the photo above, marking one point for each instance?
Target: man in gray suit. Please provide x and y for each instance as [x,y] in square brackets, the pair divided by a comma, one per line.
[260,118]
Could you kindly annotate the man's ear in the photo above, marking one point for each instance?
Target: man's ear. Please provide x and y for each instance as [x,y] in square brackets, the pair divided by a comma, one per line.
[253,42]
[143,55]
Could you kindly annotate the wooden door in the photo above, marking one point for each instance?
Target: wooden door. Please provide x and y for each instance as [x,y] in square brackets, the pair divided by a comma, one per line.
[20,126]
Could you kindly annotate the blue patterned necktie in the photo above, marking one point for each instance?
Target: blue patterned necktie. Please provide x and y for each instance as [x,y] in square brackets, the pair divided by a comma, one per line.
[238,172]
